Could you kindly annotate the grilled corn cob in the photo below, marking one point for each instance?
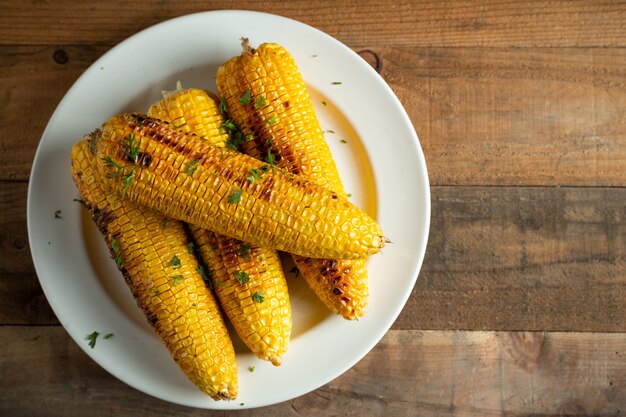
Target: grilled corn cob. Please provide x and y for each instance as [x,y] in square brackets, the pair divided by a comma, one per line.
[165,280]
[259,309]
[267,97]
[252,289]
[184,177]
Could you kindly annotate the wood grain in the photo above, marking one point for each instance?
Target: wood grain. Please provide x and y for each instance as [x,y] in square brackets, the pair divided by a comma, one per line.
[498,258]
[426,373]
[484,116]
[357,23]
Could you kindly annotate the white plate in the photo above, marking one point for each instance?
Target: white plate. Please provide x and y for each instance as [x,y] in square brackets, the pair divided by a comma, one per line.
[382,165]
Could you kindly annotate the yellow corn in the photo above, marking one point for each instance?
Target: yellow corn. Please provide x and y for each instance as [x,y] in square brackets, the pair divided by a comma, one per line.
[165,280]
[192,111]
[252,289]
[184,177]
[267,97]
[259,308]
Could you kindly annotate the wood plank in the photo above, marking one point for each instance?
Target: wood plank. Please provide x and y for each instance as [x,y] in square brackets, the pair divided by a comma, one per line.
[429,373]
[31,86]
[515,117]
[424,23]
[523,259]
[498,258]
[530,116]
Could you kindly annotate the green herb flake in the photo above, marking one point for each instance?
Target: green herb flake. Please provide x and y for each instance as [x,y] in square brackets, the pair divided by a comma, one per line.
[295,271]
[235,197]
[258,297]
[229,125]
[242,277]
[244,250]
[251,368]
[343,141]
[206,275]
[260,102]
[324,103]
[92,339]
[270,158]
[175,262]
[164,221]
[236,139]
[191,166]
[115,245]
[107,336]
[191,247]
[57,214]
[245,99]
[330,131]
[336,82]
[250,138]
[82,202]
[176,279]
[272,120]
[132,147]
[348,195]
[314,56]
[222,107]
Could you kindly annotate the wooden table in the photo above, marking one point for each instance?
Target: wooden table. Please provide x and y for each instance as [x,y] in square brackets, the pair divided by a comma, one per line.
[521,112]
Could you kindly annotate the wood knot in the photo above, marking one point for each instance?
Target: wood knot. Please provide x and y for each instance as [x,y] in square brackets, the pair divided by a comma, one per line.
[60,57]
[372,58]
[525,349]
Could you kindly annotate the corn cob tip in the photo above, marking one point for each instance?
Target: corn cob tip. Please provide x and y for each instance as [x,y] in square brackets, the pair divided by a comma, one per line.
[245,45]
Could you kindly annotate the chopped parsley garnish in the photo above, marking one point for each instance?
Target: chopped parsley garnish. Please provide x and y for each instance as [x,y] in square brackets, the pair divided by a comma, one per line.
[222,107]
[330,131]
[272,120]
[336,82]
[92,339]
[314,56]
[245,99]
[324,103]
[57,214]
[175,262]
[107,336]
[132,147]
[270,158]
[115,245]
[235,140]
[255,174]
[228,125]
[206,275]
[82,202]
[251,368]
[242,277]
[260,102]
[269,141]
[258,297]
[190,247]
[250,138]
[164,222]
[174,124]
[235,197]
[191,166]
[295,271]
[244,250]
[344,141]
[348,195]
[176,279]
[127,177]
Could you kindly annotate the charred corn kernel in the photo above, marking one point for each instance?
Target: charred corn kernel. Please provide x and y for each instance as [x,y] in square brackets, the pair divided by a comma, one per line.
[280,116]
[192,111]
[183,177]
[251,287]
[165,280]
[258,309]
